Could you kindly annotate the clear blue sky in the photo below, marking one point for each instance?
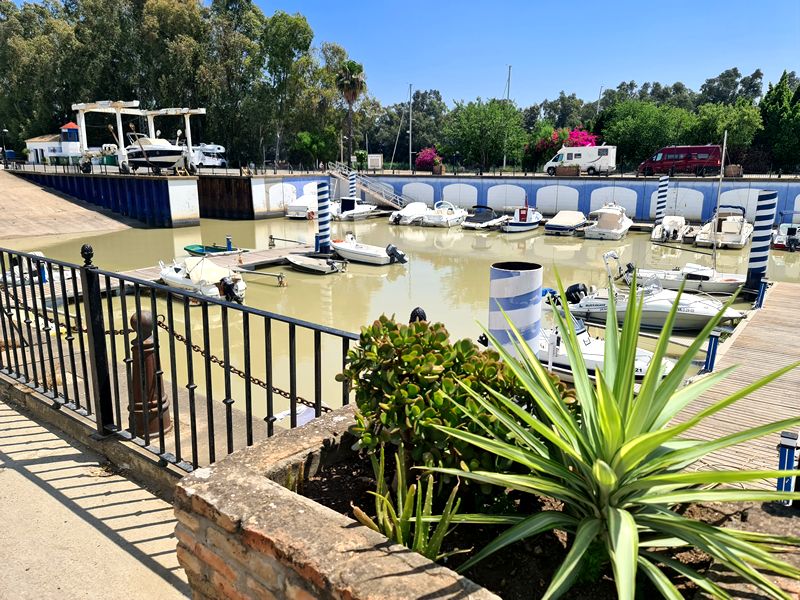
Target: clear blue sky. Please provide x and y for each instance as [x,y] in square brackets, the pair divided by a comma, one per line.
[464,48]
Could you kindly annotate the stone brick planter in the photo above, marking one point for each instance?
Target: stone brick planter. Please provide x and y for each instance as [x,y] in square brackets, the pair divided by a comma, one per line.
[568,171]
[243,532]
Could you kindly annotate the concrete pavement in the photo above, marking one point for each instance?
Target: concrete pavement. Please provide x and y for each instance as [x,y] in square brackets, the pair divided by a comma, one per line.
[72,528]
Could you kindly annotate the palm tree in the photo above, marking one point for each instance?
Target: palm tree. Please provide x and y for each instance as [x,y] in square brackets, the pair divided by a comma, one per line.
[351,84]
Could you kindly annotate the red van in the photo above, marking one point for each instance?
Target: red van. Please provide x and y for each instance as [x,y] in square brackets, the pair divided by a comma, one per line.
[699,160]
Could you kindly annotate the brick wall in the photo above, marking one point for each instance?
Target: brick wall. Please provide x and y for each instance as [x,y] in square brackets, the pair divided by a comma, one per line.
[242,534]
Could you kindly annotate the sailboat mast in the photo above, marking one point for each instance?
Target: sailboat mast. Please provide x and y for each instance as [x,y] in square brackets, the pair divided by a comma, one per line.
[715,224]
[410,124]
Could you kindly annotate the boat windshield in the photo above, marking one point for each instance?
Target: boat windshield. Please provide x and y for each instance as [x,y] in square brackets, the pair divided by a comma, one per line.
[651,285]
[608,220]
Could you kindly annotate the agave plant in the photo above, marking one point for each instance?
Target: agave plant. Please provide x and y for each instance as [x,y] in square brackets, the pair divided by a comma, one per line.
[620,469]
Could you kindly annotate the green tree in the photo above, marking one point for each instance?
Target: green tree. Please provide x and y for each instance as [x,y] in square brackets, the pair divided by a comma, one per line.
[351,84]
[564,111]
[639,128]
[741,120]
[729,86]
[286,39]
[780,111]
[482,131]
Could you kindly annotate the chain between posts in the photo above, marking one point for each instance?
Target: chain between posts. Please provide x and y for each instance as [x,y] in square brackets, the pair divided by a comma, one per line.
[218,361]
[70,327]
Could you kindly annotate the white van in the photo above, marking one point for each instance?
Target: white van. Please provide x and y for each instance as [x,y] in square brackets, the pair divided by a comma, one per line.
[593,160]
[209,155]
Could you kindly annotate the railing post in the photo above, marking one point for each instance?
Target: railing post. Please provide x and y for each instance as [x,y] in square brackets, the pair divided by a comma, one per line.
[150,406]
[96,337]
[711,352]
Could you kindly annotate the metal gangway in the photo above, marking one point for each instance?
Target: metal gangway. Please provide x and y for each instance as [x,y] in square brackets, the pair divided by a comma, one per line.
[381,193]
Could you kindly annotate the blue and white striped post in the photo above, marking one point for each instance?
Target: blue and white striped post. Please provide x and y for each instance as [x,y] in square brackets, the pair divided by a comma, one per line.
[351,185]
[515,288]
[787,461]
[324,216]
[229,243]
[762,235]
[711,352]
[661,198]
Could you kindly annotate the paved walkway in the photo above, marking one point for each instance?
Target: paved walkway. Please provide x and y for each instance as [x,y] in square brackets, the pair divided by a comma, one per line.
[29,210]
[71,528]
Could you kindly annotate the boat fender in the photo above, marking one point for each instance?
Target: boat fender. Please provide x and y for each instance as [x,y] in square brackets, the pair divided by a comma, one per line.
[311,215]
[575,292]
[395,254]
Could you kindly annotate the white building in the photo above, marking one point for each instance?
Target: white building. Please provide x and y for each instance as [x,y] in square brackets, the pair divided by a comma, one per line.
[56,148]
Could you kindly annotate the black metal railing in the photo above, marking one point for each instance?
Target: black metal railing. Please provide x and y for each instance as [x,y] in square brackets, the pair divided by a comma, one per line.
[185,376]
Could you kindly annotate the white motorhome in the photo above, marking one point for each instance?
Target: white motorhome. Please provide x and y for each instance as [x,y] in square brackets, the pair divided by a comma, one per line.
[209,155]
[593,160]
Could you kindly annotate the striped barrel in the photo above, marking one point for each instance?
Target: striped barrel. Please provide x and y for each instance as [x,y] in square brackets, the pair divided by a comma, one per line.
[515,288]
[324,216]
[762,236]
[661,198]
[351,185]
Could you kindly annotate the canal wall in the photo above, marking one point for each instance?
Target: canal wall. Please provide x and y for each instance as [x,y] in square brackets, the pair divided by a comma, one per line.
[694,198]
[156,201]
[253,197]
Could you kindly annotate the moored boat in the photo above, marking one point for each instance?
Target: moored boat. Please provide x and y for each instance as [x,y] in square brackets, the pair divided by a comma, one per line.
[728,228]
[485,218]
[697,278]
[526,218]
[351,209]
[444,214]
[214,249]
[201,276]
[353,250]
[786,237]
[566,222]
[410,214]
[611,223]
[670,229]
[315,265]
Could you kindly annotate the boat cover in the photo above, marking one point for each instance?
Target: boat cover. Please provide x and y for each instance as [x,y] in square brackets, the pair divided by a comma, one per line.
[199,268]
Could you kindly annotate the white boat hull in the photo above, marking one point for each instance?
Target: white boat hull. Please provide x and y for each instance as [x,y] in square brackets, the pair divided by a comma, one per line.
[671,279]
[316,266]
[604,234]
[351,249]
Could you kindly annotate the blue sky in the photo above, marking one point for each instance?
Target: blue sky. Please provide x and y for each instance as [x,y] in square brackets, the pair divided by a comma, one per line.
[464,48]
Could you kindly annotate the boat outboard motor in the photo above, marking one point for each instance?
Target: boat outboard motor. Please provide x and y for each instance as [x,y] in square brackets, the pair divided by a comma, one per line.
[395,254]
[229,290]
[575,292]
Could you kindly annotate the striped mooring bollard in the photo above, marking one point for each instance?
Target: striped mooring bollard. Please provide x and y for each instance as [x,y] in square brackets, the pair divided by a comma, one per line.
[324,216]
[787,461]
[515,292]
[661,198]
[762,236]
[351,185]
[711,352]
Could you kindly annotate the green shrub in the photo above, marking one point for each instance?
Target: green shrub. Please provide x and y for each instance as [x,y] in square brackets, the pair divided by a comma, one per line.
[621,469]
[405,380]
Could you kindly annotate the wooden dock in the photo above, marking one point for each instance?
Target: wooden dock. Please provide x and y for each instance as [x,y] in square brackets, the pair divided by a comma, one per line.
[766,342]
[255,259]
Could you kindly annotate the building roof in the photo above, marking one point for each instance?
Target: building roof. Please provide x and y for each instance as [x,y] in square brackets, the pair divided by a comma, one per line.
[70,125]
[53,137]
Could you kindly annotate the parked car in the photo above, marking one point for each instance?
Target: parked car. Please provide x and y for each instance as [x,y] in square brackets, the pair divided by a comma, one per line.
[592,160]
[699,160]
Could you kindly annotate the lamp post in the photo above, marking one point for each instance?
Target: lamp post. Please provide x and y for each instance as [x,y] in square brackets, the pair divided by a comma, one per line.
[455,161]
[5,157]
[342,138]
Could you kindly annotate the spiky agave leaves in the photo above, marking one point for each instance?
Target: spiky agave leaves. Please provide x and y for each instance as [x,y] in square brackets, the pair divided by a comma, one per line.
[620,469]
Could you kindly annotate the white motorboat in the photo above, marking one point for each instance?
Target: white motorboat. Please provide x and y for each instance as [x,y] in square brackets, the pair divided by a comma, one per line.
[611,223]
[697,277]
[526,218]
[484,217]
[315,265]
[786,237]
[670,229]
[155,153]
[566,222]
[201,276]
[694,311]
[727,229]
[410,214]
[304,207]
[444,214]
[351,209]
[18,273]
[552,353]
[353,250]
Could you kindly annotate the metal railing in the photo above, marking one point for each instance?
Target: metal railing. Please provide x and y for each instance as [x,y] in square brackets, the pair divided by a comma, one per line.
[184,376]
[381,191]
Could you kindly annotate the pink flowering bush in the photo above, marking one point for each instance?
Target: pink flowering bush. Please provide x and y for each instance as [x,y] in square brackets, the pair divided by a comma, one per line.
[580,137]
[426,158]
